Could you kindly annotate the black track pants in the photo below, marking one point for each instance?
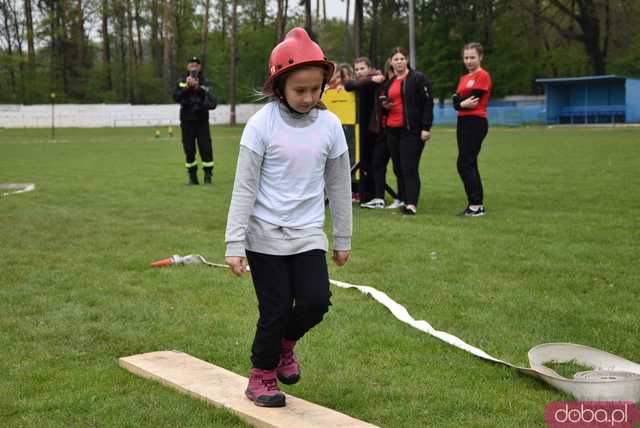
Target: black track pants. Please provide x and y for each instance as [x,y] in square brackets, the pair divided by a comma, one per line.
[406,150]
[470,133]
[293,296]
[192,131]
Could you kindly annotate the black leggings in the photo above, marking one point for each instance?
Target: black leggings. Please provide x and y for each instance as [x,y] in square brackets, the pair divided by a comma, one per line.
[293,296]
[406,150]
[470,133]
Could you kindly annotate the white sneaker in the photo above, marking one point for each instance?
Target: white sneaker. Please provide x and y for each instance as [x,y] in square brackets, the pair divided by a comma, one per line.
[469,212]
[396,204]
[375,203]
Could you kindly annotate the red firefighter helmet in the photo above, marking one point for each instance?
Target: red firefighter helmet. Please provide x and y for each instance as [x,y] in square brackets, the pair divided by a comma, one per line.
[296,50]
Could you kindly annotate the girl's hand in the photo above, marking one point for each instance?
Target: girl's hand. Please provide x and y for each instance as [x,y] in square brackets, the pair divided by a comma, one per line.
[378,78]
[238,265]
[470,103]
[425,135]
[340,257]
[387,105]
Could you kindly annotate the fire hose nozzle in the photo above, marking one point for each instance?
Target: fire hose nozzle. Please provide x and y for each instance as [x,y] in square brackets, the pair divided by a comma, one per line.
[178,260]
[166,262]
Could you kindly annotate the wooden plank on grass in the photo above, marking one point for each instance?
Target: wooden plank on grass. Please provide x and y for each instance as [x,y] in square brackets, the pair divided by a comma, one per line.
[226,389]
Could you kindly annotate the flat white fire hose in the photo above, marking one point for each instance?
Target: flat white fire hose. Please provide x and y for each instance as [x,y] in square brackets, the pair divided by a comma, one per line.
[17,188]
[612,379]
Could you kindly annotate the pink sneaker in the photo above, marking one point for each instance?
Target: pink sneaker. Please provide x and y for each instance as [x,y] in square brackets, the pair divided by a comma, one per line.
[288,367]
[263,389]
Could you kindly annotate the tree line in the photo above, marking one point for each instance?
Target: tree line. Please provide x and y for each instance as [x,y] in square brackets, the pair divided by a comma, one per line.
[132,51]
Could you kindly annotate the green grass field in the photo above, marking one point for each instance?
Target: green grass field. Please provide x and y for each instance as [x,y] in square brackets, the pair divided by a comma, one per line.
[554,260]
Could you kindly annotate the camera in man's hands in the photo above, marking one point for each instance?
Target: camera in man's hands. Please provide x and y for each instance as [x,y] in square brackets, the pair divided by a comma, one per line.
[193,74]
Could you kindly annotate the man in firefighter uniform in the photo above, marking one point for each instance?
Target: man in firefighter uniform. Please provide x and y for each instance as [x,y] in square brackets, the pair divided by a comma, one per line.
[196,98]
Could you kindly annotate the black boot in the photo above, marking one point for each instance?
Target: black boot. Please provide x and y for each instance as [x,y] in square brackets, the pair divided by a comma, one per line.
[193,176]
[208,174]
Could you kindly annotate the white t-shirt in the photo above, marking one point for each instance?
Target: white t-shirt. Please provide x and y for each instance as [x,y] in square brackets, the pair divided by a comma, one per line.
[291,191]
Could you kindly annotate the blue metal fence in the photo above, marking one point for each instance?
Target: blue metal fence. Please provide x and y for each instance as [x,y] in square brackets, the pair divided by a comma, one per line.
[500,115]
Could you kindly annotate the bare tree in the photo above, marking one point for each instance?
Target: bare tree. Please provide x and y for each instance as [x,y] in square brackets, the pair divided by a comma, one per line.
[233,63]
[137,19]
[49,10]
[205,33]
[154,42]
[345,39]
[374,34]
[308,22]
[223,17]
[17,26]
[63,42]
[131,51]
[120,29]
[324,11]
[541,35]
[77,44]
[6,29]
[281,19]
[358,23]
[18,35]
[168,68]
[28,15]
[106,49]
[181,26]
[278,22]
[132,56]
[262,12]
[586,14]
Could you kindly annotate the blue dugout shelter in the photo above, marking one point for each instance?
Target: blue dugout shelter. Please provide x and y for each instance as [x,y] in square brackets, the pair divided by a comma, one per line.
[592,99]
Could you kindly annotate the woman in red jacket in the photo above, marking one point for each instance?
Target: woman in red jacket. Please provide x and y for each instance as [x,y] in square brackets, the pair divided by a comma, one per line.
[409,102]
[471,100]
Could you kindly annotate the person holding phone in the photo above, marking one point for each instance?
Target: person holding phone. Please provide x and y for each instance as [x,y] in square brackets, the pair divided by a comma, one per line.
[381,154]
[409,105]
[195,95]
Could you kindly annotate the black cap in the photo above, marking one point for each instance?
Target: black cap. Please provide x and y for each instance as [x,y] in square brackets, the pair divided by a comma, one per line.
[194,59]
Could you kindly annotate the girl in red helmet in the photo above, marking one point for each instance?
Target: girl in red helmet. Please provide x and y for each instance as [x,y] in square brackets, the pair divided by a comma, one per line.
[291,151]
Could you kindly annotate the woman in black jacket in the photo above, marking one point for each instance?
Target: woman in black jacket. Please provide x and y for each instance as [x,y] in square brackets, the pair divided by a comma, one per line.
[409,105]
